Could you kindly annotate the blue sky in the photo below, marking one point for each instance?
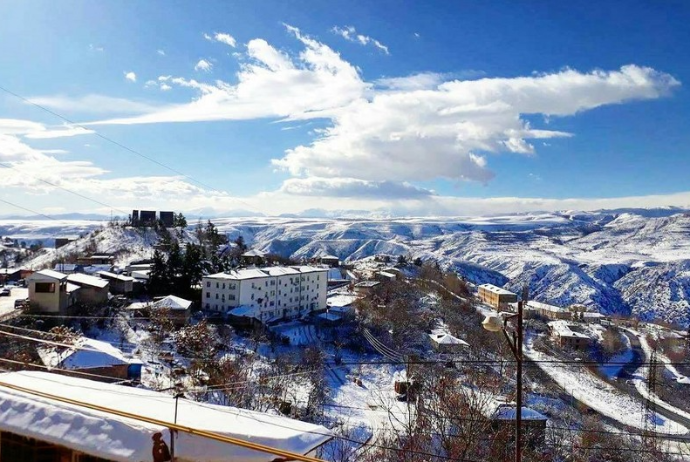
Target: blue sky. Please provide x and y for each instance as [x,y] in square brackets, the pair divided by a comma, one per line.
[442,108]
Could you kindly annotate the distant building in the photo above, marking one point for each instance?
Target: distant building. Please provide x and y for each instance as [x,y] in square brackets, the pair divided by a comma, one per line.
[545,310]
[167,218]
[366,287]
[94,291]
[495,296]
[385,276]
[119,283]
[103,259]
[10,274]
[147,218]
[569,335]
[503,417]
[446,343]
[266,294]
[180,309]
[253,257]
[68,268]
[94,359]
[63,241]
[330,260]
[50,292]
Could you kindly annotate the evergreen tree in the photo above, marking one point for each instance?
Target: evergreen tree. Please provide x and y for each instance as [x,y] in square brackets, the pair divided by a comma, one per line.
[240,243]
[180,221]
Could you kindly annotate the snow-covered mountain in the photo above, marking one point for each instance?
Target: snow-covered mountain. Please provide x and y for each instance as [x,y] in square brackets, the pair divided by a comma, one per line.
[619,262]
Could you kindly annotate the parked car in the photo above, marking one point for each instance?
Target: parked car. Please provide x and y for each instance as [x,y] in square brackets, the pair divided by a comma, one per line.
[5,292]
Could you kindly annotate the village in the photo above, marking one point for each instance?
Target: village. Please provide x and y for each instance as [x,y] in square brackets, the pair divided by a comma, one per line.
[344,351]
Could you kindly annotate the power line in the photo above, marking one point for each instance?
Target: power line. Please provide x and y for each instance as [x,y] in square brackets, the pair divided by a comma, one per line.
[122,146]
[2,164]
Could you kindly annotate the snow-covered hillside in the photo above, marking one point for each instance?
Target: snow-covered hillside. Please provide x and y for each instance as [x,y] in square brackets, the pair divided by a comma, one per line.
[619,262]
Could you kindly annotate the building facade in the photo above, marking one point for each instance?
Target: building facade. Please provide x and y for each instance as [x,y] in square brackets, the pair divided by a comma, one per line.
[495,296]
[267,293]
[50,292]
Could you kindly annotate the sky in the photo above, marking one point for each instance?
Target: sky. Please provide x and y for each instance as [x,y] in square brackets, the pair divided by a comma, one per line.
[394,108]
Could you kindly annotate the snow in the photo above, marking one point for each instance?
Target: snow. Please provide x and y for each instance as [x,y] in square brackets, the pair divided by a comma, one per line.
[341,300]
[172,302]
[447,339]
[47,273]
[599,395]
[84,279]
[125,439]
[617,362]
[507,412]
[87,354]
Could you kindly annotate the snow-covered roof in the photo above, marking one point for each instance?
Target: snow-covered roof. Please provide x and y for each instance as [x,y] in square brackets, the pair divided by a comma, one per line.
[140,274]
[69,287]
[496,289]
[367,284]
[280,270]
[86,280]
[254,253]
[545,306]
[66,267]
[6,271]
[87,353]
[310,269]
[447,339]
[118,277]
[386,274]
[172,302]
[237,275]
[138,305]
[563,329]
[507,412]
[341,300]
[48,274]
[123,439]
[328,257]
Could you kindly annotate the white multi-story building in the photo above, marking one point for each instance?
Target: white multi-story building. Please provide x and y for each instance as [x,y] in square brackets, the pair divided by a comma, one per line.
[267,293]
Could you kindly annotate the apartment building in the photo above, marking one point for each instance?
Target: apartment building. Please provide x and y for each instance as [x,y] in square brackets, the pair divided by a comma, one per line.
[495,296]
[267,294]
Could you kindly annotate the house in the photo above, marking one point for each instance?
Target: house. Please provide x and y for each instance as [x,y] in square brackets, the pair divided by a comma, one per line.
[544,310]
[116,423]
[446,343]
[330,260]
[253,257]
[63,241]
[96,260]
[503,416]
[495,296]
[385,276]
[94,291]
[119,283]
[68,268]
[366,287]
[10,274]
[180,309]
[50,292]
[267,294]
[569,335]
[90,358]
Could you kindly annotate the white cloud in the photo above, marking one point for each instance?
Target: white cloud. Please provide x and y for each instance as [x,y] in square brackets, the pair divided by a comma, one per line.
[35,130]
[165,87]
[160,52]
[350,34]
[447,132]
[203,65]
[93,47]
[352,187]
[396,130]
[131,76]
[226,39]
[94,104]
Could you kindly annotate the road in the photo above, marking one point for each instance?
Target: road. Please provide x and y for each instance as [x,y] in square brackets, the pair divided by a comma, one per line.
[7,303]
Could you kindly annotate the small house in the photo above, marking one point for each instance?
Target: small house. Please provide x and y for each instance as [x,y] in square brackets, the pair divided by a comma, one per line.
[330,260]
[569,335]
[495,296]
[50,292]
[94,291]
[253,257]
[446,343]
[92,359]
[9,275]
[533,423]
[119,283]
[366,287]
[180,309]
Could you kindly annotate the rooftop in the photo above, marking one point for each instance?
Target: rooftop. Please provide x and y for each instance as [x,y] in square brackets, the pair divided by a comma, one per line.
[564,329]
[84,279]
[124,439]
[87,353]
[496,289]
[447,339]
[118,277]
[48,274]
[172,302]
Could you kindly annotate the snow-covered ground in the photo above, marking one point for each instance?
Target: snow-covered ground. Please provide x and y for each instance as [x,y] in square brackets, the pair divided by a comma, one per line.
[617,261]
[599,395]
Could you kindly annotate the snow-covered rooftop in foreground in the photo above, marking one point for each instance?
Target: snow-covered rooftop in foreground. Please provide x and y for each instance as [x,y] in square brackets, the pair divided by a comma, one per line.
[125,439]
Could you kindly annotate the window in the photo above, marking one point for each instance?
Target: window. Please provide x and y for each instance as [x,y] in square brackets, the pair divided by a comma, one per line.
[273,282]
[216,285]
[208,305]
[216,296]
[208,283]
[208,294]
[45,287]
[223,285]
[273,293]
[231,297]
[252,296]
